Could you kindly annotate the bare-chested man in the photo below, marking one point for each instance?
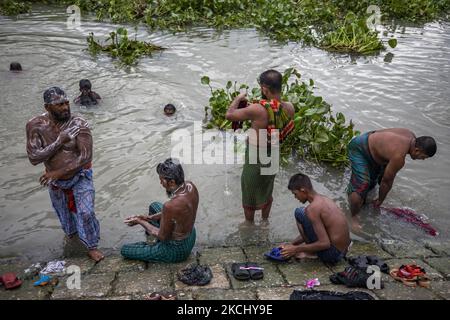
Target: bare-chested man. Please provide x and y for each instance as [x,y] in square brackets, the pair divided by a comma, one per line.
[172,223]
[322,225]
[377,156]
[270,113]
[63,142]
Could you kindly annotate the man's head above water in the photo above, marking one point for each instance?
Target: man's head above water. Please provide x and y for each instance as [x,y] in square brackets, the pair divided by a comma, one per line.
[57,104]
[171,175]
[270,82]
[15,66]
[169,109]
[85,86]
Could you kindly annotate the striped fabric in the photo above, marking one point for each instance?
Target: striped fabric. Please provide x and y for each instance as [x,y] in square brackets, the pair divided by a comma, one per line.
[83,221]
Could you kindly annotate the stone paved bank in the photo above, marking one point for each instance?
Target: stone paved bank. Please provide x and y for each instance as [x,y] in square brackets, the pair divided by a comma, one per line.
[115,278]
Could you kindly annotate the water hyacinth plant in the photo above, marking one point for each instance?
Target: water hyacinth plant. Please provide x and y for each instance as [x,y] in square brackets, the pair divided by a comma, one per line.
[319,135]
[352,37]
[127,50]
[13,8]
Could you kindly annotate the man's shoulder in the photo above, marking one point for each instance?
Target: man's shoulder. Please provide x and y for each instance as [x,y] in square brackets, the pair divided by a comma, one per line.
[79,121]
[43,118]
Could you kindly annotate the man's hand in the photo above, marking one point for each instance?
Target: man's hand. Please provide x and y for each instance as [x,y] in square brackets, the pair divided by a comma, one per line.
[47,177]
[68,134]
[376,203]
[241,96]
[288,250]
[133,220]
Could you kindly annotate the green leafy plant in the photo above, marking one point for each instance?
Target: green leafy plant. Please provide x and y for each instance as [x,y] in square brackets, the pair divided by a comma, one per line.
[310,22]
[127,50]
[353,36]
[319,135]
[13,8]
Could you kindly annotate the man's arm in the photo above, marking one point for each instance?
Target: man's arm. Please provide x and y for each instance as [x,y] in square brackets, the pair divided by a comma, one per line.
[35,150]
[394,166]
[84,145]
[235,114]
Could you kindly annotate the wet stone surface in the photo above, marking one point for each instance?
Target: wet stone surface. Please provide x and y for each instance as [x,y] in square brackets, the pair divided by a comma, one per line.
[115,278]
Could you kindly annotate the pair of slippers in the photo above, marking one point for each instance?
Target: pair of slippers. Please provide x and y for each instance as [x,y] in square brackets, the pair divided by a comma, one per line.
[10,281]
[246,271]
[275,254]
[411,275]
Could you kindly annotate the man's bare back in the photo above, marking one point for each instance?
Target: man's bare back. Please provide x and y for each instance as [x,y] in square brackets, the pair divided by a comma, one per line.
[179,213]
[390,143]
[333,219]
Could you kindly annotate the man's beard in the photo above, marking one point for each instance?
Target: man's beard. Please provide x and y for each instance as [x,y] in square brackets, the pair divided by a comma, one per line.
[263,96]
[169,193]
[61,117]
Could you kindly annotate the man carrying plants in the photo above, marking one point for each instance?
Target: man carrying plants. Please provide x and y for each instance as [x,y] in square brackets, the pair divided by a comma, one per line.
[271,122]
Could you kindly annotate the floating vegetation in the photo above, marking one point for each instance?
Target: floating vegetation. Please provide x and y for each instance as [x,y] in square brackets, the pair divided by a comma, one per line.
[13,8]
[352,37]
[127,50]
[311,22]
[318,135]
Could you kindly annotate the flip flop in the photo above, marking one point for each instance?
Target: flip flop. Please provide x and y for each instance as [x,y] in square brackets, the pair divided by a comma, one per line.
[424,281]
[275,254]
[256,272]
[238,273]
[43,281]
[397,275]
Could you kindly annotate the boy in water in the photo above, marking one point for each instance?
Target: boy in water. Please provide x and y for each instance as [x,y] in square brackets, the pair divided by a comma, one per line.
[15,67]
[322,225]
[169,109]
[87,97]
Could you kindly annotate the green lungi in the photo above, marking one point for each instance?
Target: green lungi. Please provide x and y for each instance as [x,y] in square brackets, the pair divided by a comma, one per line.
[256,188]
[170,251]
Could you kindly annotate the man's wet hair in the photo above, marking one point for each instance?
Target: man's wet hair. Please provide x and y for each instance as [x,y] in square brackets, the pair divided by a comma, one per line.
[169,108]
[15,66]
[85,84]
[271,79]
[171,169]
[427,145]
[299,181]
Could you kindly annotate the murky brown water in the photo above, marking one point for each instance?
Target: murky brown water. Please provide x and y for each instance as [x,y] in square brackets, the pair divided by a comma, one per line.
[131,135]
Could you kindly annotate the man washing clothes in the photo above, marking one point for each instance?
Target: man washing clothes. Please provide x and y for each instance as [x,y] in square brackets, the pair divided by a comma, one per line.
[322,225]
[378,156]
[63,142]
[172,223]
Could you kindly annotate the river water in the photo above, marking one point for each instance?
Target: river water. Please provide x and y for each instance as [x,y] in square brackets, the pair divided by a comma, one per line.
[403,87]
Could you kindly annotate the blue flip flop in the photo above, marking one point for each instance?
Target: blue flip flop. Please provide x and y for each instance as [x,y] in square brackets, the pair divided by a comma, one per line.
[275,254]
[43,281]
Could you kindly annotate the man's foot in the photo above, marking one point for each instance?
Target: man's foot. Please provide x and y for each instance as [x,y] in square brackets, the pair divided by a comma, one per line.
[304,255]
[96,255]
[356,225]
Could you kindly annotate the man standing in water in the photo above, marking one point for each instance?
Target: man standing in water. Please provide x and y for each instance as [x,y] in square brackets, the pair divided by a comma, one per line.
[377,156]
[172,223]
[63,142]
[269,114]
